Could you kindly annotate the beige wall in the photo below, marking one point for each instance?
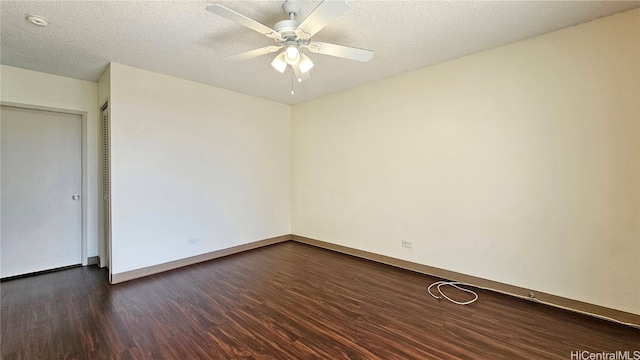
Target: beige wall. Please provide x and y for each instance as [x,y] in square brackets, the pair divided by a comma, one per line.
[38,89]
[104,86]
[517,164]
[190,161]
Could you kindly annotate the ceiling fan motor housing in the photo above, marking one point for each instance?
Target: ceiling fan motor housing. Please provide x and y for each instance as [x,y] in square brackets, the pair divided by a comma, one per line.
[287,28]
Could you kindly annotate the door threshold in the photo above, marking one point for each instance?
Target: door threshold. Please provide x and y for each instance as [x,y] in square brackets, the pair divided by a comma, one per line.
[36,273]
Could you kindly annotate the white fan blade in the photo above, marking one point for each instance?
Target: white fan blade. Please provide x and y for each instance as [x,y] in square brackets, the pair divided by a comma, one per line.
[300,76]
[340,51]
[305,75]
[296,71]
[254,53]
[243,20]
[322,15]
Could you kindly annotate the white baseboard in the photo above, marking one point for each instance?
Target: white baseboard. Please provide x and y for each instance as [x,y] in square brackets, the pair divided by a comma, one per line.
[150,270]
[602,312]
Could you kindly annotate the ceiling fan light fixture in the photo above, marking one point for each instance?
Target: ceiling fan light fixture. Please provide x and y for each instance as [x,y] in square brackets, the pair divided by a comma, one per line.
[292,54]
[305,63]
[279,63]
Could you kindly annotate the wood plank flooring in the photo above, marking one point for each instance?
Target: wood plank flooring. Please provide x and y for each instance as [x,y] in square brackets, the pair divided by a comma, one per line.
[285,301]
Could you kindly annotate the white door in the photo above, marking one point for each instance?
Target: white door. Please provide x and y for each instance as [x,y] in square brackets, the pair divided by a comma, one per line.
[41,182]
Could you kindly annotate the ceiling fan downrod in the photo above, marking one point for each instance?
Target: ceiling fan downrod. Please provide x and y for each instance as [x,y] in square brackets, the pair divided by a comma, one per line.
[291,8]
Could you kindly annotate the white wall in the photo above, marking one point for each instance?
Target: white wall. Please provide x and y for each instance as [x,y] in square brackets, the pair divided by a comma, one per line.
[104,86]
[191,161]
[518,164]
[35,88]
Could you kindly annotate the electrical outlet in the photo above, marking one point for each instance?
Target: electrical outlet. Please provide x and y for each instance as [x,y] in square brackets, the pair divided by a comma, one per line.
[192,241]
[407,244]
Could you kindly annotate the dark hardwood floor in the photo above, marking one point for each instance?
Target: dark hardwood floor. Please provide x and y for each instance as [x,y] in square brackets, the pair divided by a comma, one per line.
[285,301]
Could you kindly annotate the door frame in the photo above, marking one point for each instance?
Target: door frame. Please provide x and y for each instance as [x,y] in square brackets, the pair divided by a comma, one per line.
[104,245]
[83,164]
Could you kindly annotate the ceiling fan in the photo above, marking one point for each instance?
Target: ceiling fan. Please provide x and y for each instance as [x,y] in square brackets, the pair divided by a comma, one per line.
[291,36]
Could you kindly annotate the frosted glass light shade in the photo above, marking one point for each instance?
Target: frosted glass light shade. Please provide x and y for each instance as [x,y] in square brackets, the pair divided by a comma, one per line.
[305,63]
[279,63]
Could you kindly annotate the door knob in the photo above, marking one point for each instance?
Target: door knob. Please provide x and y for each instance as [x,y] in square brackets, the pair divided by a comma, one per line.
[75,197]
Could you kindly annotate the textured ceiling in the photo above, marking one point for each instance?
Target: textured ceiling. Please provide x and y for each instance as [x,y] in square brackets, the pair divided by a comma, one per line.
[182,39]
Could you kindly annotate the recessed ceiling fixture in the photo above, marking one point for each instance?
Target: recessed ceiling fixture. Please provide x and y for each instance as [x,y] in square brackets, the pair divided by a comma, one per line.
[292,36]
[37,20]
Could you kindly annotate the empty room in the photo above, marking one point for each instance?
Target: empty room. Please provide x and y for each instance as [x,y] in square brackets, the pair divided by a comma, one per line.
[308,179]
